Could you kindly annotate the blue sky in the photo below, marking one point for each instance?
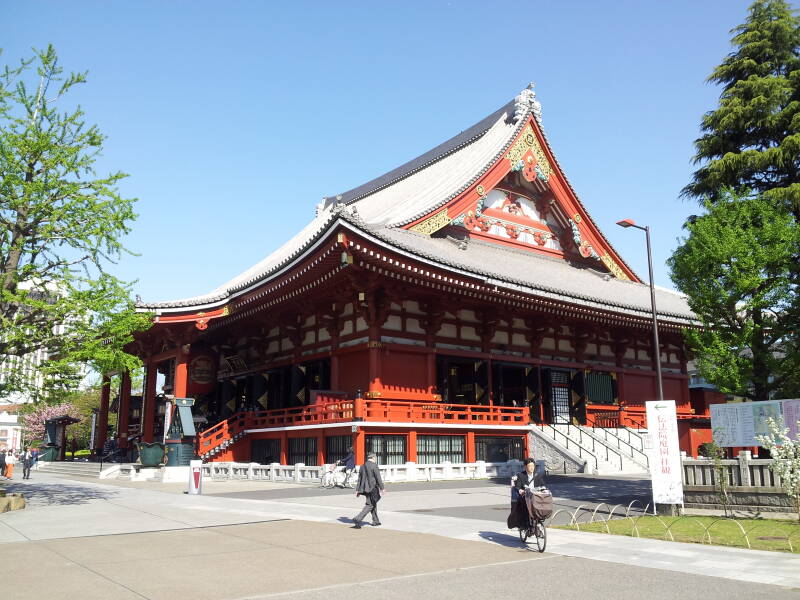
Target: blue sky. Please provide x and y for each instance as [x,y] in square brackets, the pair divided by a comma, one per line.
[235,118]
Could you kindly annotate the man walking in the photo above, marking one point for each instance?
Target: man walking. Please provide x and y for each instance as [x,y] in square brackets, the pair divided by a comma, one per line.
[27,463]
[370,485]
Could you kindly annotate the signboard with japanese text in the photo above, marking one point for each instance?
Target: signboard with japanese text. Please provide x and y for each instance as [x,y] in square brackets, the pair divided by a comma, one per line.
[738,424]
[665,454]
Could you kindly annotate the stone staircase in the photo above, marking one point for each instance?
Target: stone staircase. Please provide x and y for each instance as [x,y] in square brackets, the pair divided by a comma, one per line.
[80,469]
[606,451]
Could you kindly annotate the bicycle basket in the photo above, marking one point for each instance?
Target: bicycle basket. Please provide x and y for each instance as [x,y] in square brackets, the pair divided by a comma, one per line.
[541,504]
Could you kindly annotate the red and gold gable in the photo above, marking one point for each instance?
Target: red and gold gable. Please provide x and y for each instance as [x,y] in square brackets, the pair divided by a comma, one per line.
[524,201]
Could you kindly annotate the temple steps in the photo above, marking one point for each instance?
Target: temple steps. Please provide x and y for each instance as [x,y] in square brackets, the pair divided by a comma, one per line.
[81,469]
[605,451]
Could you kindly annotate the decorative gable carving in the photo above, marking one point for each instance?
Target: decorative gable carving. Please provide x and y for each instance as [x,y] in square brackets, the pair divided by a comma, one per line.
[523,200]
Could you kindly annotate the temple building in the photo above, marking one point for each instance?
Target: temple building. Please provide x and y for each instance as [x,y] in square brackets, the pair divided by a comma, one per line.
[435,313]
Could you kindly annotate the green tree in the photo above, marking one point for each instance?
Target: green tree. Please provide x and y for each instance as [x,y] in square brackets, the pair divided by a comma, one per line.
[60,228]
[735,268]
[752,140]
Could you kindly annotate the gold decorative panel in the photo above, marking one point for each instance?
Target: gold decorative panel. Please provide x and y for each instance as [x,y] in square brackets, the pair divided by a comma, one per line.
[432,224]
[526,142]
[613,267]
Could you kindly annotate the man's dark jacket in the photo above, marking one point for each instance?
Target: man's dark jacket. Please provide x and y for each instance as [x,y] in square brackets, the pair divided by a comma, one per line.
[369,479]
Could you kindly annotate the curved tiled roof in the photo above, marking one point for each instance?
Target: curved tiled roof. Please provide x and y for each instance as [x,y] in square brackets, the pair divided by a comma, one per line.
[381,206]
[444,149]
[555,278]
[416,187]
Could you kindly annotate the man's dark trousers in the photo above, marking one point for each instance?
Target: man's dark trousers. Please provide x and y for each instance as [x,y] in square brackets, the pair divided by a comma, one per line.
[371,505]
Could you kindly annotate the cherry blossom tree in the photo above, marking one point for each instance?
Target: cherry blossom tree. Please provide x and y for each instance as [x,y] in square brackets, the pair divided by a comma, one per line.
[33,423]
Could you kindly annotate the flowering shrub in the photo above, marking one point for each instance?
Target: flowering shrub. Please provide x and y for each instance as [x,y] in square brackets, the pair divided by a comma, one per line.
[786,455]
[34,422]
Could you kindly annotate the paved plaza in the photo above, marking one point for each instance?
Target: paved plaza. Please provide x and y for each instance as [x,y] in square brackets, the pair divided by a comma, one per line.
[80,538]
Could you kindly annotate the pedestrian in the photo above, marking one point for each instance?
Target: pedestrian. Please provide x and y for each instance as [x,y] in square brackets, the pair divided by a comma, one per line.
[27,463]
[2,463]
[11,460]
[349,464]
[370,485]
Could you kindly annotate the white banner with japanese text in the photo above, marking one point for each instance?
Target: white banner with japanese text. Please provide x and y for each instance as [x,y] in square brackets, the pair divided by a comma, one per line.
[665,453]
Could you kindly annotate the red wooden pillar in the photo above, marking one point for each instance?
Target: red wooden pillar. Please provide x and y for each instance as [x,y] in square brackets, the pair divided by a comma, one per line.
[320,447]
[623,409]
[149,402]
[334,372]
[431,371]
[102,417]
[360,446]
[375,386]
[490,382]
[411,449]
[181,384]
[284,448]
[470,454]
[541,394]
[124,409]
[528,451]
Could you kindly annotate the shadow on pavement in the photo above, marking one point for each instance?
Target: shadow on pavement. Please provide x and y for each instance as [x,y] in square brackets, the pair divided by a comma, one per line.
[504,539]
[59,494]
[596,489]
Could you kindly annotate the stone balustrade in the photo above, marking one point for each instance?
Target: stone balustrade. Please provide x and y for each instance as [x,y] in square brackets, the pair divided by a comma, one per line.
[750,484]
[409,471]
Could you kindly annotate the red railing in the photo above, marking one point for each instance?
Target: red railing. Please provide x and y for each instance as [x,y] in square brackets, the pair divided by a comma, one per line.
[362,409]
[425,412]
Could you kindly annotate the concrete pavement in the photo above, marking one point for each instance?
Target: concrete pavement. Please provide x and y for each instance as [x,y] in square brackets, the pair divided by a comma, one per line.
[62,513]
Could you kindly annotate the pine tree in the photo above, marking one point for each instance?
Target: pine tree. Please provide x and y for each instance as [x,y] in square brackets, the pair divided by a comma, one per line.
[752,140]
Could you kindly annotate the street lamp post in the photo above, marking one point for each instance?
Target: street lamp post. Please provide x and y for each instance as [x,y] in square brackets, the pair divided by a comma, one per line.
[656,347]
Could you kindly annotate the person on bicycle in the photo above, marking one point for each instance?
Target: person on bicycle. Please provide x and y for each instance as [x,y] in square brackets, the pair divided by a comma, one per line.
[527,478]
[524,480]
[349,464]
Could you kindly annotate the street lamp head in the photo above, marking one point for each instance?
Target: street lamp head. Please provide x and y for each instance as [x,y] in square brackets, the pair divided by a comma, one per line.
[626,223]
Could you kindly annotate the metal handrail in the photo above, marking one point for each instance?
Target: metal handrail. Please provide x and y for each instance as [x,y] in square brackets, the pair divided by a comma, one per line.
[607,433]
[608,449]
[581,449]
[633,449]
[581,433]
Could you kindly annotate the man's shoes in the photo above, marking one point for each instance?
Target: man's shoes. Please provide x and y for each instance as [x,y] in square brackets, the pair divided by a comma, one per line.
[357,525]
[376,524]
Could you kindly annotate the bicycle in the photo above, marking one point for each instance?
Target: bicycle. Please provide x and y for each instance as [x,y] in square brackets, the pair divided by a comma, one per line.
[540,507]
[334,477]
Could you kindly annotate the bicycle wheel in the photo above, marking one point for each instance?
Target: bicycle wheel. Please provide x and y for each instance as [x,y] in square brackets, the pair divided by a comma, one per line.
[540,531]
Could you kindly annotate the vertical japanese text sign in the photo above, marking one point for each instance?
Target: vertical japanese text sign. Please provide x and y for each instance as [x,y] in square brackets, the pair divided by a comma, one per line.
[665,455]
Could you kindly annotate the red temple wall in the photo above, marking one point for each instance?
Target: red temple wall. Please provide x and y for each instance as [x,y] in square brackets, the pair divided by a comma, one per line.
[241,451]
[690,438]
[353,372]
[404,371]
[637,389]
